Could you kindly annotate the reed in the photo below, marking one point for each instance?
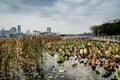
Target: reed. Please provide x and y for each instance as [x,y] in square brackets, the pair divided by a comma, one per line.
[19,53]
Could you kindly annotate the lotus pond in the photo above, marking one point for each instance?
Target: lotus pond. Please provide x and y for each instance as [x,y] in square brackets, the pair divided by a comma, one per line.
[84,59]
[52,58]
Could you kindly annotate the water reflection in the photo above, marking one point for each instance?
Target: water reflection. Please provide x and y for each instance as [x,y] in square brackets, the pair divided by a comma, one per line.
[80,72]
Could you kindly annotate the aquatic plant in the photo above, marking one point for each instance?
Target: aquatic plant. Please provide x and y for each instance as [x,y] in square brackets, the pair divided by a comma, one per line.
[103,54]
[17,54]
[118,73]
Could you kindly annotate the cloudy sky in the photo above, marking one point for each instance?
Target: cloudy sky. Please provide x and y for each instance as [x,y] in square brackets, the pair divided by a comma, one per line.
[64,16]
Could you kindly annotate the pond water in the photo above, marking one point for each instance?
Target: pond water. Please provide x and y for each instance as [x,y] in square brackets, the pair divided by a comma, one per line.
[52,70]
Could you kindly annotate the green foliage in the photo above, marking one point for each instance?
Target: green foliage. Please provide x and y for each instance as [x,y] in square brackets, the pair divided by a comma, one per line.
[60,59]
[52,53]
[67,52]
[118,73]
[112,28]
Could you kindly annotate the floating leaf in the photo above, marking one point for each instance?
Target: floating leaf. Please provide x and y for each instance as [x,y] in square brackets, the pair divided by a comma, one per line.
[52,53]
[67,52]
[61,54]
[60,59]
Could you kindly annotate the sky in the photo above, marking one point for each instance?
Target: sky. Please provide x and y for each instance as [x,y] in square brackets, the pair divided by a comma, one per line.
[63,16]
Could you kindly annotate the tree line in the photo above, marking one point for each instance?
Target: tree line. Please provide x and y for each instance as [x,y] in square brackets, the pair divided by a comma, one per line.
[109,28]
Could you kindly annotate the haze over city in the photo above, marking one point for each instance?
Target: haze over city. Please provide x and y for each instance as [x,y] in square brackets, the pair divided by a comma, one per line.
[64,16]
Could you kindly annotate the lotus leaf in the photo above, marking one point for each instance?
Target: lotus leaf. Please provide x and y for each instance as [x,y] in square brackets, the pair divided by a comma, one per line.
[67,52]
[52,53]
[60,59]
[62,46]
[61,54]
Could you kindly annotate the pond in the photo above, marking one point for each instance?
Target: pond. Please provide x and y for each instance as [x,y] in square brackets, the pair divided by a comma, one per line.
[70,70]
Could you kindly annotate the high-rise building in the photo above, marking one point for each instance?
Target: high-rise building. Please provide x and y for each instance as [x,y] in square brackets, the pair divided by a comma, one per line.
[5,33]
[19,29]
[49,29]
[0,32]
[13,30]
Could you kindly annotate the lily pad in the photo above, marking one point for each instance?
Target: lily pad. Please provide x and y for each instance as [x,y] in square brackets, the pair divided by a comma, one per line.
[61,54]
[52,53]
[60,59]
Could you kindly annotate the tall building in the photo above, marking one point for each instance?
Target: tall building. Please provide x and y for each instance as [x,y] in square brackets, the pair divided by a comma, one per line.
[19,29]
[5,33]
[13,30]
[49,29]
[0,32]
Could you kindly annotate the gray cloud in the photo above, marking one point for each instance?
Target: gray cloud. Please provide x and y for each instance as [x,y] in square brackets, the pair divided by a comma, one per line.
[64,15]
[39,2]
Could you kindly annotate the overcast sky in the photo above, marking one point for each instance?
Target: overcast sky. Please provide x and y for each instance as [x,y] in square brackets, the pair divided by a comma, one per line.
[64,16]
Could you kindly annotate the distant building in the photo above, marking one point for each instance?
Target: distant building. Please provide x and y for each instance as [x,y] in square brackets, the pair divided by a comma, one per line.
[13,32]
[48,29]
[28,33]
[5,33]
[19,33]
[36,33]
[44,34]
[49,32]
[0,33]
[19,28]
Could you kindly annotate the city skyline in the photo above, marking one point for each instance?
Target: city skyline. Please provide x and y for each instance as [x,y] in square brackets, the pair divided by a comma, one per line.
[21,30]
[11,32]
[17,32]
[64,16]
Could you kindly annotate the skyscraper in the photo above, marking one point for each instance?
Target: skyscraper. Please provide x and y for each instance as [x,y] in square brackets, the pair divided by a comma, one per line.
[0,32]
[19,29]
[13,30]
[49,29]
[3,33]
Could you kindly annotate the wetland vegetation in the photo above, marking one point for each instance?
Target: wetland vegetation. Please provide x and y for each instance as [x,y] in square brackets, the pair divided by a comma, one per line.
[26,58]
